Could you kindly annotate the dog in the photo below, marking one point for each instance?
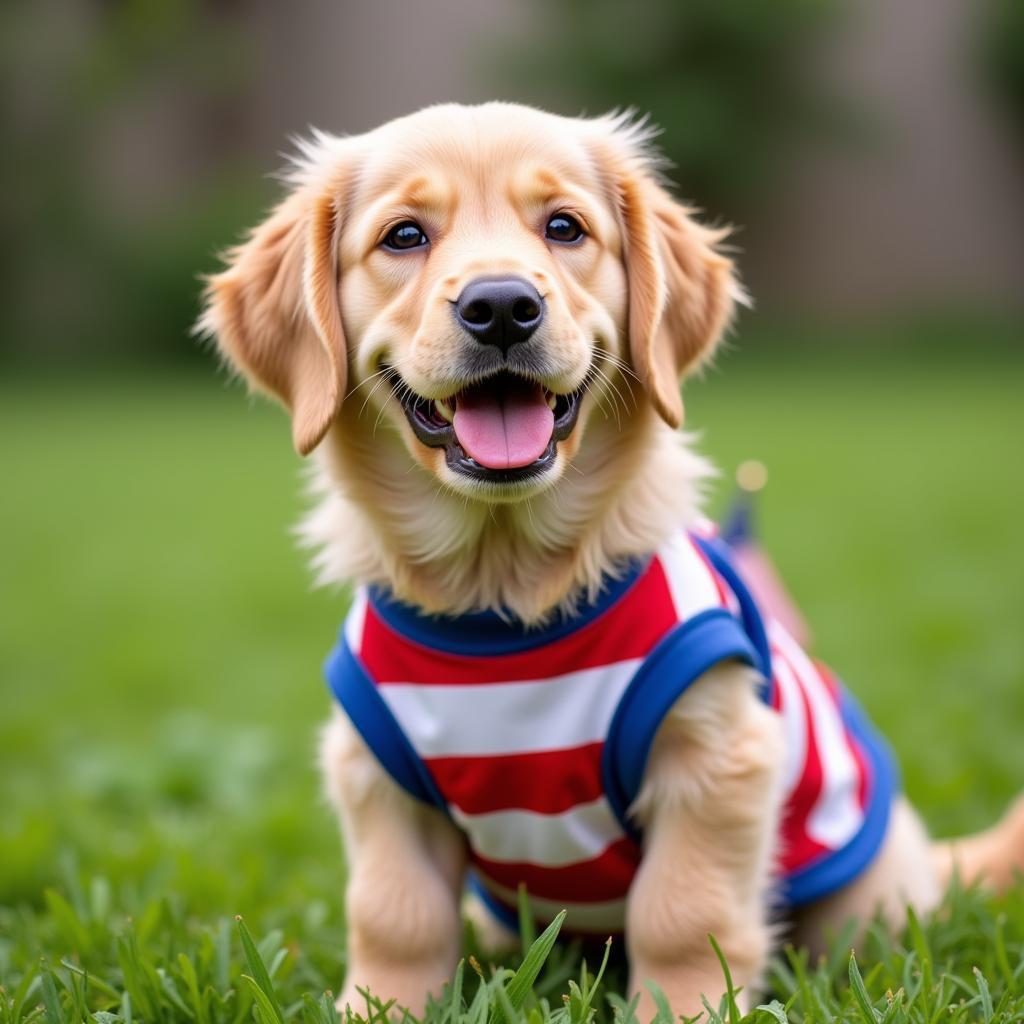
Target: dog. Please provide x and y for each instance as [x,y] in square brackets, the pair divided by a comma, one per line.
[479,317]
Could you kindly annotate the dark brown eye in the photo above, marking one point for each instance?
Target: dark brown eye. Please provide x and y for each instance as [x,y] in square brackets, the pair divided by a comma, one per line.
[404,236]
[563,228]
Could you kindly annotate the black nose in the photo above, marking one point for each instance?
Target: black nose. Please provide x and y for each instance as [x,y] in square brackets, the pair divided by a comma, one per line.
[500,310]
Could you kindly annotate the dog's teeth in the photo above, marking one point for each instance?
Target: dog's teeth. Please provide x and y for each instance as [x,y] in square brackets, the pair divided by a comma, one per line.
[444,410]
[552,400]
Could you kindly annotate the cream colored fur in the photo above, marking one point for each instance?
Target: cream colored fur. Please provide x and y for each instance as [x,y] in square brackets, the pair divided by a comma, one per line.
[311,309]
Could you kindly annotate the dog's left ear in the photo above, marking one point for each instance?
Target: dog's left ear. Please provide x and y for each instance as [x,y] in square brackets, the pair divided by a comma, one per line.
[682,290]
[275,314]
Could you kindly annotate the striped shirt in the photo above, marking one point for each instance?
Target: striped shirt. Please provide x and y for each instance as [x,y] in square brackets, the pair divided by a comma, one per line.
[534,741]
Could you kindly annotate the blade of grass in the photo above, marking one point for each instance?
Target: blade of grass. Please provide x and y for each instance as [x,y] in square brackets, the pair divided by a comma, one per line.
[26,990]
[260,975]
[522,982]
[924,956]
[775,1010]
[51,1000]
[664,1013]
[1009,976]
[455,994]
[188,974]
[860,994]
[91,979]
[983,993]
[268,1012]
[527,931]
[732,1009]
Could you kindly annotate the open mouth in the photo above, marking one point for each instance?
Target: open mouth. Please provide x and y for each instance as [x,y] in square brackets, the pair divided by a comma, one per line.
[502,430]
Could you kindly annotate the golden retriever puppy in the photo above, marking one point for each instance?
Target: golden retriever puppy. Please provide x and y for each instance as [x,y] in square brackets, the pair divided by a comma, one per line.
[551,675]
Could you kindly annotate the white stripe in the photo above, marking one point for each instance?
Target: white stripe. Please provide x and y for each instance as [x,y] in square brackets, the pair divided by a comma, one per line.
[837,815]
[606,917]
[794,723]
[510,718]
[355,620]
[689,579]
[579,834]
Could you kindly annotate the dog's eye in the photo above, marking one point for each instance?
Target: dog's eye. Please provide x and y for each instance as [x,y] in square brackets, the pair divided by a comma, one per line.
[407,235]
[563,228]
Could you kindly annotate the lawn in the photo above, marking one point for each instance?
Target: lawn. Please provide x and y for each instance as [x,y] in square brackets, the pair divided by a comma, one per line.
[160,652]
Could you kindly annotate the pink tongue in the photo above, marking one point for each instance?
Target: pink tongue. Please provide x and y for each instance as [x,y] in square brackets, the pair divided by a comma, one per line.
[504,430]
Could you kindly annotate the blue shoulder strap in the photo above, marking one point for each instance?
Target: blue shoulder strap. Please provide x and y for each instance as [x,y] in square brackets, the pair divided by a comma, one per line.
[676,662]
[717,553]
[355,692]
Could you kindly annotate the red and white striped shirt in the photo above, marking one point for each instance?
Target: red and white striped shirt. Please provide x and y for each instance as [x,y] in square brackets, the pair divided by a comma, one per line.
[534,741]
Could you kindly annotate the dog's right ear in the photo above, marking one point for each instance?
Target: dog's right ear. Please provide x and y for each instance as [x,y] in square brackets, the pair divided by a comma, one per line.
[682,288]
[275,312]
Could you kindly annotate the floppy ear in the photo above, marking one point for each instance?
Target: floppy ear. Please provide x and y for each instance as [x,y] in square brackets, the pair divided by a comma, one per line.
[275,314]
[681,288]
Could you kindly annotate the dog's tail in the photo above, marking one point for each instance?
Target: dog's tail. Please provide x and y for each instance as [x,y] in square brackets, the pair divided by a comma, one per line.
[993,857]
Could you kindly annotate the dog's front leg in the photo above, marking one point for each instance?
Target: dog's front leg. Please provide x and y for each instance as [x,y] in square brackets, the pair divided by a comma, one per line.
[406,863]
[709,808]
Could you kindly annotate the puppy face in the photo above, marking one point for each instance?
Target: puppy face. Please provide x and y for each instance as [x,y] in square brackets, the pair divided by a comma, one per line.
[482,279]
[478,279]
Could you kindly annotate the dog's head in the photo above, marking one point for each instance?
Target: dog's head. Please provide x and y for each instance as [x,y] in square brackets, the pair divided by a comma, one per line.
[484,278]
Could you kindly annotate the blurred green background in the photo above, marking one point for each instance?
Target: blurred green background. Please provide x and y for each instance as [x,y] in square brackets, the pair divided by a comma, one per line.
[159,645]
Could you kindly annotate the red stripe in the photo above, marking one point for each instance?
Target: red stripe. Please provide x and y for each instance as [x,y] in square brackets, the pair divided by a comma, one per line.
[629,629]
[606,877]
[797,847]
[865,770]
[547,782]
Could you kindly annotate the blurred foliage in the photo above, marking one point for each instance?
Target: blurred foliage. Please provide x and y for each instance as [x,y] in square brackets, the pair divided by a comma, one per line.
[732,83]
[132,133]
[1003,54]
[119,122]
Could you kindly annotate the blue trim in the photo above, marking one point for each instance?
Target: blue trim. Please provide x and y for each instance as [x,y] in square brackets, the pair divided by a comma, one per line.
[834,870]
[355,691]
[484,634]
[677,660]
[717,554]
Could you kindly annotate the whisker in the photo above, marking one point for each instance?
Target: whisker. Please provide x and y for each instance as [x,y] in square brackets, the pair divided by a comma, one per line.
[529,513]
[395,393]
[366,380]
[625,369]
[614,395]
[617,363]
[376,387]
[599,394]
[620,363]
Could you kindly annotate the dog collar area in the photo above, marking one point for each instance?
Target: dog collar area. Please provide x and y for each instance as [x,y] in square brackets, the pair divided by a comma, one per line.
[491,632]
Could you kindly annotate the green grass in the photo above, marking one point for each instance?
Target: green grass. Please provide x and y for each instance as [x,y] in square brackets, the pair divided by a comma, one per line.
[160,655]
